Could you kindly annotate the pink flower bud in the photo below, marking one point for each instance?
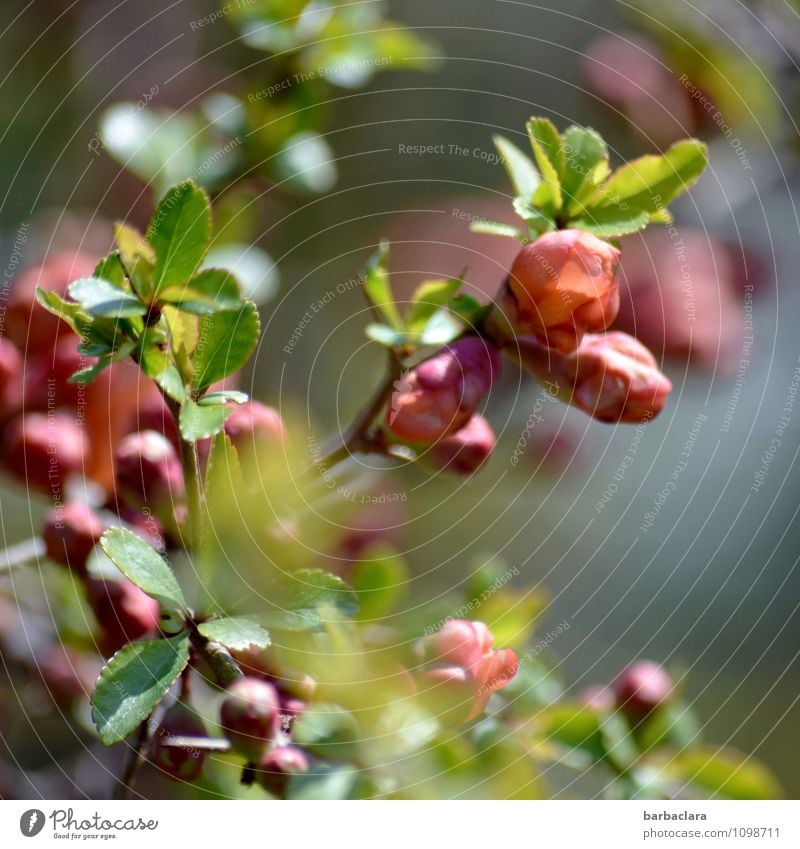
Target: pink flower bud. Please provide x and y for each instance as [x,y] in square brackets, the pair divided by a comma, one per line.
[466,666]
[465,451]
[641,688]
[278,766]
[44,449]
[253,425]
[10,365]
[124,612]
[178,762]
[561,286]
[70,532]
[440,396]
[611,377]
[250,716]
[68,675]
[30,326]
[148,468]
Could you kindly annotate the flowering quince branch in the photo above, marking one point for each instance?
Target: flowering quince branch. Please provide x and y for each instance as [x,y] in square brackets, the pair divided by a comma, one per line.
[314,701]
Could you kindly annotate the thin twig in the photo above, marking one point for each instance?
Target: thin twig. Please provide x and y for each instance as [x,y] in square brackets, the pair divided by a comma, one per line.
[359,437]
[126,784]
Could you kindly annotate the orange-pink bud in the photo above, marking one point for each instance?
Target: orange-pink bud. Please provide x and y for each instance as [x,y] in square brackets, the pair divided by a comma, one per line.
[466,450]
[611,377]
[464,662]
[252,425]
[561,286]
[148,468]
[439,396]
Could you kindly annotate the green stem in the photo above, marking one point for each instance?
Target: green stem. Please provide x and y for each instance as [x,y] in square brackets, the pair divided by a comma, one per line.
[135,758]
[191,478]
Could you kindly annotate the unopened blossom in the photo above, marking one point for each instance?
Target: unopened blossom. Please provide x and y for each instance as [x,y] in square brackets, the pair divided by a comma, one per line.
[440,395]
[560,287]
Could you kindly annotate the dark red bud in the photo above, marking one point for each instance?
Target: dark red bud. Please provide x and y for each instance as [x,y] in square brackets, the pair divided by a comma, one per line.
[178,762]
[278,766]
[70,533]
[44,449]
[124,612]
[148,468]
[254,425]
[641,688]
[250,716]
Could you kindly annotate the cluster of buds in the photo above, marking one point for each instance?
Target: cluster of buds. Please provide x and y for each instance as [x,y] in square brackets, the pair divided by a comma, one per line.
[561,294]
[435,404]
[461,670]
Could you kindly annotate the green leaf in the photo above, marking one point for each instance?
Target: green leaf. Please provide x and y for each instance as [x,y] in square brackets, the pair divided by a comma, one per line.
[224,396]
[110,268]
[143,566]
[537,221]
[132,246]
[299,598]
[496,228]
[199,422]
[327,731]
[378,288]
[326,782]
[133,683]
[101,298]
[73,314]
[428,299]
[211,290]
[524,176]
[180,234]
[223,472]
[724,773]
[380,583]
[225,342]
[235,632]
[612,222]
[584,149]
[651,183]
[385,335]
[470,311]
[572,725]
[546,144]
[442,328]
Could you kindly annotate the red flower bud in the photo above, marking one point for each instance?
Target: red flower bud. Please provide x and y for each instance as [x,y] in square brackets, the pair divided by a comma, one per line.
[253,425]
[67,674]
[124,612]
[611,377]
[10,365]
[30,326]
[70,532]
[561,286]
[278,766]
[466,665]
[153,414]
[148,468]
[250,716]
[46,377]
[441,395]
[178,762]
[465,451]
[641,688]
[44,449]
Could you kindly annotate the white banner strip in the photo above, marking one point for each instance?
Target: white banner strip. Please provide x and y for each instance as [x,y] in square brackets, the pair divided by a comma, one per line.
[400,825]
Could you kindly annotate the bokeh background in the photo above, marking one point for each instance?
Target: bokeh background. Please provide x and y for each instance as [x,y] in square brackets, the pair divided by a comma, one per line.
[708,584]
